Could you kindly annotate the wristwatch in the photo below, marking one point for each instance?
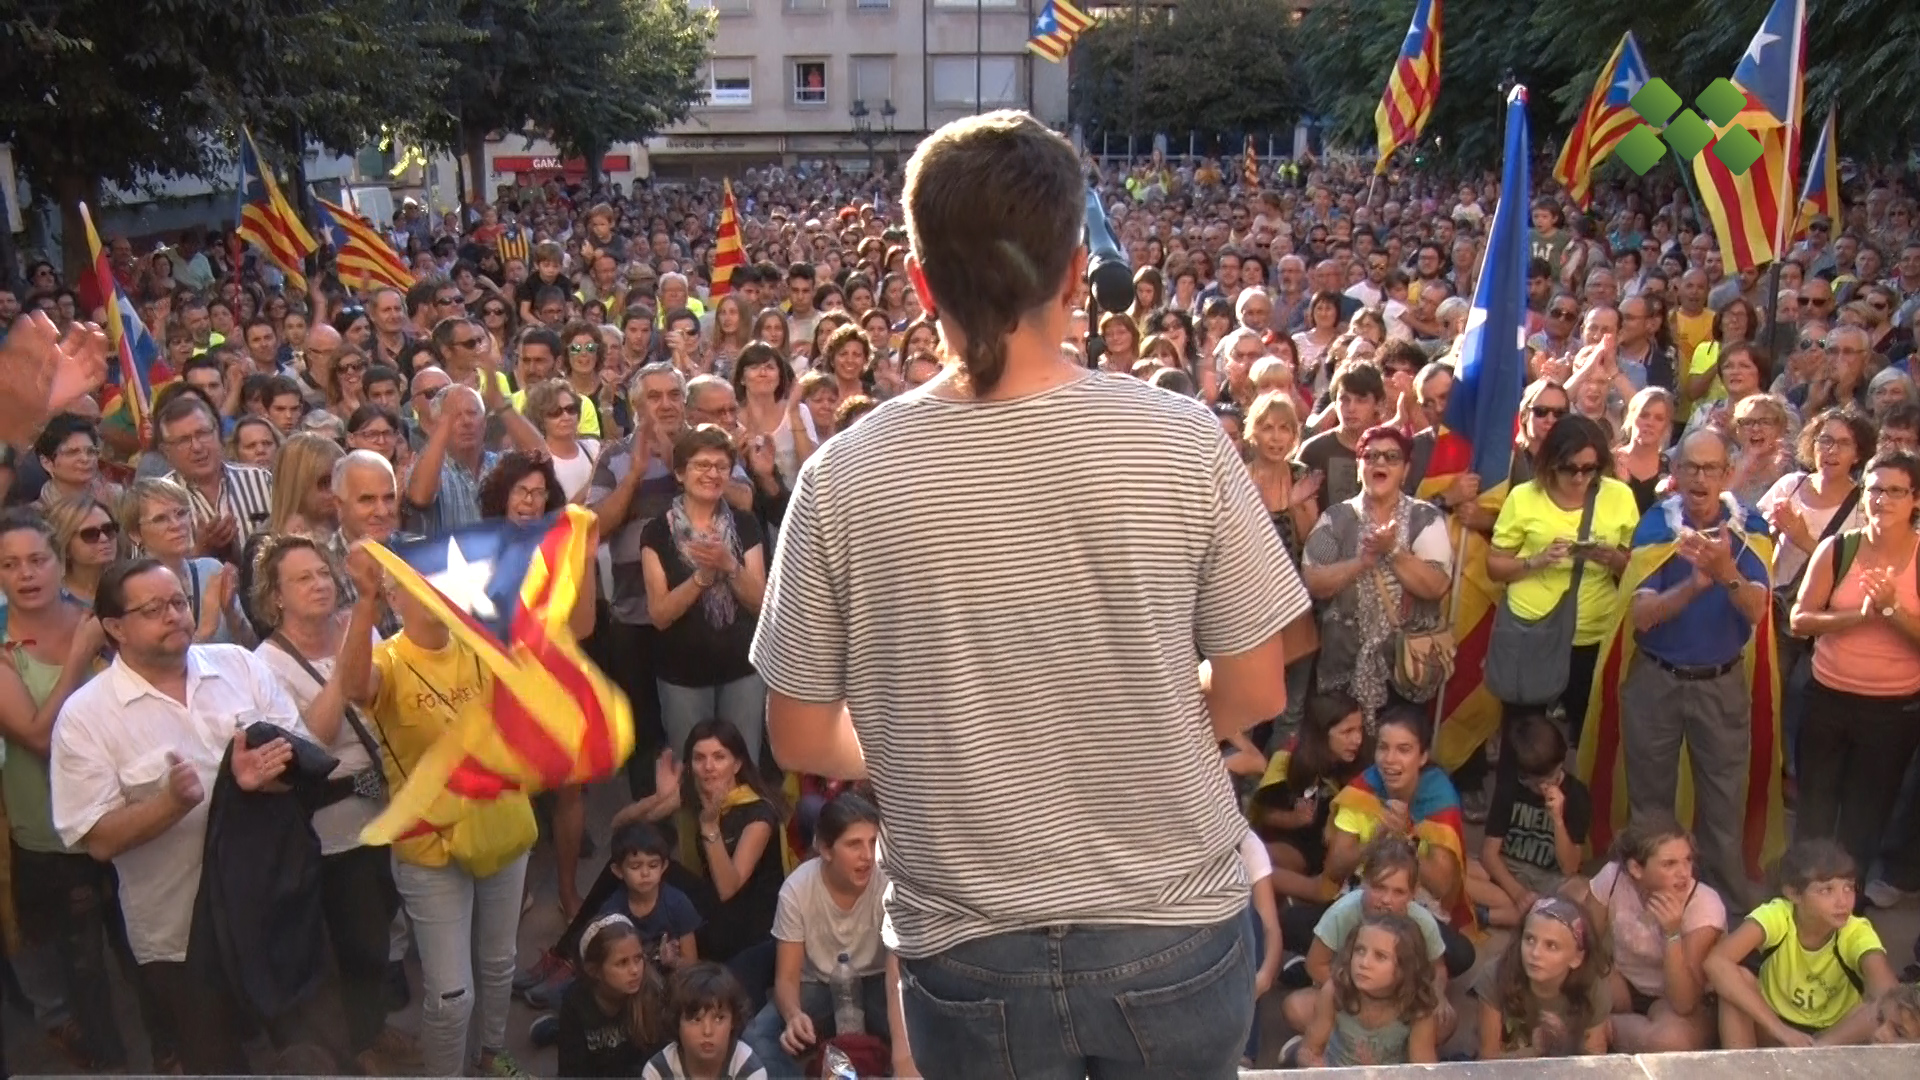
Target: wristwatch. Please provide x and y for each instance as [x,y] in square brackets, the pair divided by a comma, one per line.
[1887,612]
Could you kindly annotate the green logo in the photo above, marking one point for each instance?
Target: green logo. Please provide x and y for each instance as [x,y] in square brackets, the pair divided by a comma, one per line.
[1656,103]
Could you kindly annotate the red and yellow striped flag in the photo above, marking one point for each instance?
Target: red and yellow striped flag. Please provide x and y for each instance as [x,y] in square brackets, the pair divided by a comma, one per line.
[1605,120]
[1250,165]
[554,718]
[267,221]
[727,252]
[1753,212]
[359,250]
[1413,86]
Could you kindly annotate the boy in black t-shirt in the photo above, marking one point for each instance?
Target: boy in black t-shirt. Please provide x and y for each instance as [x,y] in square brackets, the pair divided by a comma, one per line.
[1536,828]
[664,916]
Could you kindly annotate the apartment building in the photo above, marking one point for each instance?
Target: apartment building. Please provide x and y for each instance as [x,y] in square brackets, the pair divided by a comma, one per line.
[850,81]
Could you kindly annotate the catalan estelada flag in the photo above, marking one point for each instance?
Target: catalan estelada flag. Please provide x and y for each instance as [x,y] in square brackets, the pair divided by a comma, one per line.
[1602,765]
[1605,119]
[1821,195]
[1413,86]
[1478,438]
[1059,25]
[360,251]
[1250,165]
[727,252]
[1752,213]
[142,370]
[507,592]
[267,221]
[1434,812]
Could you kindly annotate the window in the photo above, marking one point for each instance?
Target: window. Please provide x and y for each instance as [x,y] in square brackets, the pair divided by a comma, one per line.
[954,88]
[873,80]
[971,4]
[872,5]
[806,5]
[809,82]
[724,7]
[730,82]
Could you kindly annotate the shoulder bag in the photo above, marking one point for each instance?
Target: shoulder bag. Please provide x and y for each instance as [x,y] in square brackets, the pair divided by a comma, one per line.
[1422,659]
[1792,646]
[368,783]
[1527,659]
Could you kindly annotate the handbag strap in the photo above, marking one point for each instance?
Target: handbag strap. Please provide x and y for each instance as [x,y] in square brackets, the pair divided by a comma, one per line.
[1834,525]
[360,731]
[1586,527]
[1392,610]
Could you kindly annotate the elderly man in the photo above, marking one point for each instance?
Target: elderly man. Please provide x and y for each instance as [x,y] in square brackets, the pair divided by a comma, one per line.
[322,346]
[230,502]
[1700,592]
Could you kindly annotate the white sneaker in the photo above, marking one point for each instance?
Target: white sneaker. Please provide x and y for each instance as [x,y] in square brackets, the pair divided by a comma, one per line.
[1882,894]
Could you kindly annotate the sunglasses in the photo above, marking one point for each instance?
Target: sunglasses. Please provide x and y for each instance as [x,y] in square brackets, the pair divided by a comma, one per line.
[93,534]
[468,343]
[581,347]
[494,311]
[1382,457]
[1562,313]
[1579,470]
[570,409]
[351,368]
[1542,412]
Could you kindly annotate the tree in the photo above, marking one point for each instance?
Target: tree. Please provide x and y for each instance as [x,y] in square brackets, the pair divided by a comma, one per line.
[96,92]
[1220,67]
[1859,54]
[590,72]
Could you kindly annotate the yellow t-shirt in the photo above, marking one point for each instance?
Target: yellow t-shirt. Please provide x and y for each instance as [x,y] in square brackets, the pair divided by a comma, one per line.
[1705,356]
[1811,988]
[1689,331]
[422,692]
[1362,825]
[1529,523]
[589,414]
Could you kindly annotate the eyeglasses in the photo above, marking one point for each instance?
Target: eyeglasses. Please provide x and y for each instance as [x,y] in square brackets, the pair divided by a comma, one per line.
[1382,457]
[167,520]
[571,408]
[204,435]
[1817,301]
[580,347]
[351,367]
[1875,491]
[70,452]
[531,493]
[1562,313]
[93,534]
[1828,442]
[173,605]
[377,434]
[714,468]
[493,312]
[1584,469]
[449,301]
[467,343]
[1694,468]
[1545,412]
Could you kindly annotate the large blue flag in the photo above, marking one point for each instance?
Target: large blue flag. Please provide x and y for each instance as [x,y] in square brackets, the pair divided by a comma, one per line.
[1493,351]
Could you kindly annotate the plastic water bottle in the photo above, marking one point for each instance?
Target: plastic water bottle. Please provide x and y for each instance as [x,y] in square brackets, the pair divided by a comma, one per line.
[848,1016]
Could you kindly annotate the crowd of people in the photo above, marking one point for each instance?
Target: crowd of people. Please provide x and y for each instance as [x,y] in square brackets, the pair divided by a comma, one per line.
[1709,522]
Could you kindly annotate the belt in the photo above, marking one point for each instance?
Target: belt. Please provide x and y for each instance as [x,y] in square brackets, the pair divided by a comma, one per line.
[1692,672]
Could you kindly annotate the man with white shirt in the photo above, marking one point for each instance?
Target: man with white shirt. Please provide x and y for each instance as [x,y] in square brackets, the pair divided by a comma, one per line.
[829,907]
[135,753]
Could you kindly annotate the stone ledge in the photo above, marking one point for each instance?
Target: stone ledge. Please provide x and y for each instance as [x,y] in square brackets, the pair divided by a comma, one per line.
[1852,1062]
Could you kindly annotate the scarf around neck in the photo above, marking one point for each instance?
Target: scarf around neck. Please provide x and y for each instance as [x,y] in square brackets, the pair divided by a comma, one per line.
[716,601]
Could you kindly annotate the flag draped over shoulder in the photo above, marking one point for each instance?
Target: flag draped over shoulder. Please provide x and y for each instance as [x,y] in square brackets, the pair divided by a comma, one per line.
[727,253]
[1436,819]
[142,370]
[1056,28]
[1821,195]
[507,592]
[267,221]
[1752,212]
[1413,85]
[1602,765]
[359,249]
[1604,121]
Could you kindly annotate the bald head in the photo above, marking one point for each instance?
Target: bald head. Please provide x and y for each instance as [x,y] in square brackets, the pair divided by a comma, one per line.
[323,340]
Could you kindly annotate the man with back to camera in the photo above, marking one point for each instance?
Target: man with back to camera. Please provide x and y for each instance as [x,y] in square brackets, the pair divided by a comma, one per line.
[1060,605]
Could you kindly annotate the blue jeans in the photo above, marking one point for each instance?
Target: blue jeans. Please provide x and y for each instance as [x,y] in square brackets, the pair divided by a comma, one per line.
[743,701]
[816,1000]
[1071,1002]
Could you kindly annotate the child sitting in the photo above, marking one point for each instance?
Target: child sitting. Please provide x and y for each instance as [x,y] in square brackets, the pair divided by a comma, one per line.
[611,1021]
[1536,828]
[1899,1016]
[708,1008]
[665,918]
[1819,965]
[1378,1008]
[1548,996]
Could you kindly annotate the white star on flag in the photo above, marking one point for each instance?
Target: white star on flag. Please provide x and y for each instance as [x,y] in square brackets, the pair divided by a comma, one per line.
[1630,82]
[465,583]
[1760,41]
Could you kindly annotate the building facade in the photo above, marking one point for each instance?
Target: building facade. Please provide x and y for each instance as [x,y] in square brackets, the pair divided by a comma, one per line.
[850,81]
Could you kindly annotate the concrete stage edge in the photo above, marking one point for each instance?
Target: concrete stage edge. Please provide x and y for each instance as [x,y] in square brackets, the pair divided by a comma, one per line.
[1851,1062]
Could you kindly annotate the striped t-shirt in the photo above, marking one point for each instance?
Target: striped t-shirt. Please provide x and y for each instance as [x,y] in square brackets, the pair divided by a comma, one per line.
[1012,598]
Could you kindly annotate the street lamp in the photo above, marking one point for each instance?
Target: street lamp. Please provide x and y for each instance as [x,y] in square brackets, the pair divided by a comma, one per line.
[863,127]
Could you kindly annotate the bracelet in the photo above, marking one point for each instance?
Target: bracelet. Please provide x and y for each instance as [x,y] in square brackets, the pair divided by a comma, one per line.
[711,838]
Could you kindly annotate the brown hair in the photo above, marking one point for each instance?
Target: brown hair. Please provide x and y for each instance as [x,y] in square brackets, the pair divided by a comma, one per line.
[704,437]
[1413,994]
[994,209]
[840,336]
[1520,1007]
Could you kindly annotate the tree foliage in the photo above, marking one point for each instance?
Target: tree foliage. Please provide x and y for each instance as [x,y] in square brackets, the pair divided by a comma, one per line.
[1859,54]
[1219,67]
[589,72]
